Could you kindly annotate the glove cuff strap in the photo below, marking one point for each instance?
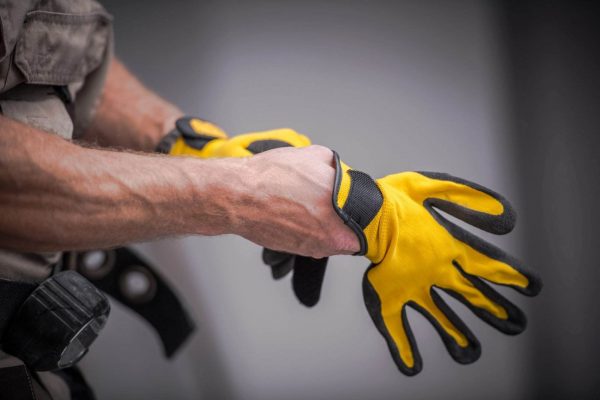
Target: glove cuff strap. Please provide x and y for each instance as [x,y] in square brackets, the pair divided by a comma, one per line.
[362,204]
[195,131]
[166,143]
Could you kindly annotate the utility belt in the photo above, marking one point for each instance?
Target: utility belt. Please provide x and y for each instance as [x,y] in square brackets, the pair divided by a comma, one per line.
[51,325]
[43,323]
[54,56]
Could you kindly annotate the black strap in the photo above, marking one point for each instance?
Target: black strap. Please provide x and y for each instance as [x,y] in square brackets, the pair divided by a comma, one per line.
[158,305]
[364,198]
[78,386]
[12,295]
[362,204]
[16,383]
[64,93]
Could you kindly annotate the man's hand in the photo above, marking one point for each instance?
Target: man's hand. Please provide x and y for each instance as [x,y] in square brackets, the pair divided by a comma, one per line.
[289,207]
[200,138]
[55,195]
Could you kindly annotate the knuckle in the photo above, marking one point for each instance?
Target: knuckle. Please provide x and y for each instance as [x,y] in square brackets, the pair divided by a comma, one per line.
[320,150]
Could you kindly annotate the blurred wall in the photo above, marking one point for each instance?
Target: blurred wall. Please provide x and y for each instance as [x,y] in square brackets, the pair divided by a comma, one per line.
[555,84]
[391,86]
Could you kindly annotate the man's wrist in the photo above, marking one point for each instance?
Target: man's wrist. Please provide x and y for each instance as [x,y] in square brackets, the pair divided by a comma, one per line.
[221,194]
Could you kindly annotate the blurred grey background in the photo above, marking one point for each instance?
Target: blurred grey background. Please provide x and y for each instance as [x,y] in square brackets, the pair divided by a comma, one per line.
[502,93]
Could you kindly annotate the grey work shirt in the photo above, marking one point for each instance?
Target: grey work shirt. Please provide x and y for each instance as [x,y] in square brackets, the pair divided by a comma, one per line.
[46,44]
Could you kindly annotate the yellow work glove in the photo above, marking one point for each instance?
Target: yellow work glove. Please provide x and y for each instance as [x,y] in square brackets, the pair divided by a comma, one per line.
[200,138]
[415,251]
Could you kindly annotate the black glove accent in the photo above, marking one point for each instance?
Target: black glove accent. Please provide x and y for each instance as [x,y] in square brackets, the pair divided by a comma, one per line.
[263,145]
[308,275]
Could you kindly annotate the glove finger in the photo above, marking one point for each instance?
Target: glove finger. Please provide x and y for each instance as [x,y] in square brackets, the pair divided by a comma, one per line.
[281,263]
[195,135]
[260,146]
[457,282]
[476,295]
[280,270]
[308,279]
[468,201]
[460,342]
[483,259]
[257,142]
[192,127]
[493,264]
[271,257]
[395,329]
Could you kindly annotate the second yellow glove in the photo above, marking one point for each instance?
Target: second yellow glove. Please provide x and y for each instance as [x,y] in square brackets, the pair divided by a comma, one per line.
[200,138]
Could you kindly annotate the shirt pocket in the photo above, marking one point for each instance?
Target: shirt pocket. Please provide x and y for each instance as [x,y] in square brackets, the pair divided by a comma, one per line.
[60,48]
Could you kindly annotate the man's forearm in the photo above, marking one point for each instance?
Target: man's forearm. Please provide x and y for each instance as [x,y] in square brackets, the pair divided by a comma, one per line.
[129,115]
[55,195]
